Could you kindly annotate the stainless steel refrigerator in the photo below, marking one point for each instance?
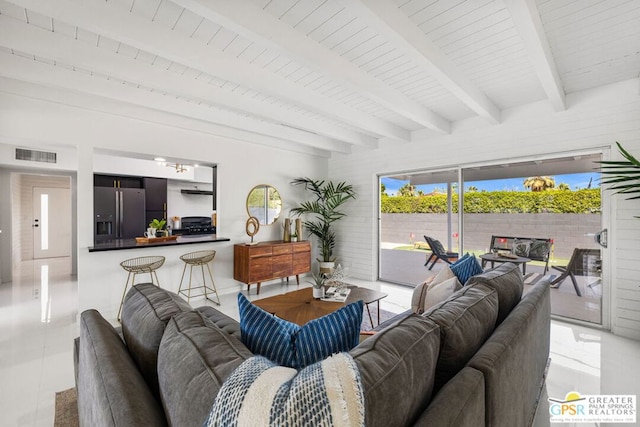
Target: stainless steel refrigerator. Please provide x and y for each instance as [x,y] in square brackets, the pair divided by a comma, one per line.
[119,213]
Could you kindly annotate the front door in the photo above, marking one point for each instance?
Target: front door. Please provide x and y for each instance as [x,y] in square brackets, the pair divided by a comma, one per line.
[51,222]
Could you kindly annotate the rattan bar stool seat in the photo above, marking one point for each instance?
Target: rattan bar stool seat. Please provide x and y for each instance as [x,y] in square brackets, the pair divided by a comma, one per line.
[139,265]
[202,259]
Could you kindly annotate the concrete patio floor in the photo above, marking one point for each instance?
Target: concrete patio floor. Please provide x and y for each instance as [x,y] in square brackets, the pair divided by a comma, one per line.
[406,267]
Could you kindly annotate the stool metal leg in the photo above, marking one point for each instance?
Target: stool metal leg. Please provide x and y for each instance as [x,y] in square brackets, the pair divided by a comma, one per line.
[213,283]
[124,293]
[181,279]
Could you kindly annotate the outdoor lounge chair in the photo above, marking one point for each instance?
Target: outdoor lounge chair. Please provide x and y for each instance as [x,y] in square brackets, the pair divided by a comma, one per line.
[438,252]
[576,266]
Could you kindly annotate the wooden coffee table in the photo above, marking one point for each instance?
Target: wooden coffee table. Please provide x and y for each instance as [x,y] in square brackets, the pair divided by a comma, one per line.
[300,307]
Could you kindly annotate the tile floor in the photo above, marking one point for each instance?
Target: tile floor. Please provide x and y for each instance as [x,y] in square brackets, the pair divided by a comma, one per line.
[38,313]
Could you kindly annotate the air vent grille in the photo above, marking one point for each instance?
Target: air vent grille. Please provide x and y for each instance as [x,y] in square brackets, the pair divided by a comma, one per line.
[36,156]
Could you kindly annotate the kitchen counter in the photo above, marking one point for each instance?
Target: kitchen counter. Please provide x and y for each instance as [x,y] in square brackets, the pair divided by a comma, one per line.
[120,244]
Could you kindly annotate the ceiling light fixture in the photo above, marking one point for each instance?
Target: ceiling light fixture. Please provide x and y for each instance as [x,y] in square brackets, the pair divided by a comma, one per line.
[178,167]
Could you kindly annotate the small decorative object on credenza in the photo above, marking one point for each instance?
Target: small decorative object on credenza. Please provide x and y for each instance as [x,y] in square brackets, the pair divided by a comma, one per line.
[286,237]
[252,227]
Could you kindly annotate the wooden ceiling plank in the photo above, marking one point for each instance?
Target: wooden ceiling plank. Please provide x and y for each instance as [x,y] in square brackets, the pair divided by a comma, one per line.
[525,16]
[255,24]
[405,34]
[164,115]
[16,67]
[25,37]
[111,21]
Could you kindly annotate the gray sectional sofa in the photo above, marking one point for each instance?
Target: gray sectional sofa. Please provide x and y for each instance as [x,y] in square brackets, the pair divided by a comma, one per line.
[476,359]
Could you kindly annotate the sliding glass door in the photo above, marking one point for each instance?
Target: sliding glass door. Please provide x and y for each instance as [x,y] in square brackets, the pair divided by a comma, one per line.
[557,200]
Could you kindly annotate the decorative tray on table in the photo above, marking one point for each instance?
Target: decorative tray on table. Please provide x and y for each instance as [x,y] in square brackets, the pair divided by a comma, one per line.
[155,239]
[507,254]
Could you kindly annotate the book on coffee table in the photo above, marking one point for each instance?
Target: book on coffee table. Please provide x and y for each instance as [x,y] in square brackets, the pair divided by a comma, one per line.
[332,294]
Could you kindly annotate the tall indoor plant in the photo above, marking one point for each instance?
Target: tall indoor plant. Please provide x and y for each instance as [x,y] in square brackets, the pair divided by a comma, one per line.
[328,198]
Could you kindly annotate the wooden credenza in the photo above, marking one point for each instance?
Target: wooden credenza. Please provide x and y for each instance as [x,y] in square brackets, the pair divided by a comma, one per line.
[270,260]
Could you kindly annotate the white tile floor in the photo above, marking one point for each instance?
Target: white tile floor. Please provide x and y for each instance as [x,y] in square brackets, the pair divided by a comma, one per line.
[38,313]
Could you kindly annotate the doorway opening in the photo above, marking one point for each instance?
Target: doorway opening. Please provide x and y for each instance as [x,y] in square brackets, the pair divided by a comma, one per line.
[557,198]
[41,216]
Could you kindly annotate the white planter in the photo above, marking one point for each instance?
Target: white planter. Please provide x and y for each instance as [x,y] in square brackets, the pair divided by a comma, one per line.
[318,292]
[327,267]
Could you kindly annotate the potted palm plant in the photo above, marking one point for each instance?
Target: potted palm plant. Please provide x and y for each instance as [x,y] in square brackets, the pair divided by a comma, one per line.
[325,208]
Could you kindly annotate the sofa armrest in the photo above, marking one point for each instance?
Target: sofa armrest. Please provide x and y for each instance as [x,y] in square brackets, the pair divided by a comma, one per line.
[111,390]
[459,403]
[513,360]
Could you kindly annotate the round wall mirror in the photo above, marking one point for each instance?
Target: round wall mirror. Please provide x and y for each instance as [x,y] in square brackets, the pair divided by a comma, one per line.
[264,203]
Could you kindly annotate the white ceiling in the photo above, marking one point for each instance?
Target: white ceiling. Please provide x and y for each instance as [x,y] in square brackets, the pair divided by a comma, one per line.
[322,75]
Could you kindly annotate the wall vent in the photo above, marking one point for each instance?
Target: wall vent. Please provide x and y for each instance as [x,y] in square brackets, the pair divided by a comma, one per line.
[36,156]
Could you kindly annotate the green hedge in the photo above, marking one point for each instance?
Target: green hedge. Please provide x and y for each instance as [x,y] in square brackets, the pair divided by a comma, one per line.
[550,201]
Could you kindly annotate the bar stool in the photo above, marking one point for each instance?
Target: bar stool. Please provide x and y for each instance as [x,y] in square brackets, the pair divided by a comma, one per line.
[145,264]
[202,259]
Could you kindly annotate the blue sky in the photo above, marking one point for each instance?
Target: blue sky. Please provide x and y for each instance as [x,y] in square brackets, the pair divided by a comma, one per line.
[575,181]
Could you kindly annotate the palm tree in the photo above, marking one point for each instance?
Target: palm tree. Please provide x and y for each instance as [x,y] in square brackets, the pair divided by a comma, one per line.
[407,190]
[564,186]
[472,188]
[539,183]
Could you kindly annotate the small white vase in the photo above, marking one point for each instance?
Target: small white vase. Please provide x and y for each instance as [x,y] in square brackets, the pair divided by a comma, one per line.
[318,292]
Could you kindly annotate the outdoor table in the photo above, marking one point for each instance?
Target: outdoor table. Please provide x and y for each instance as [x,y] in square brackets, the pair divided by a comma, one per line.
[493,258]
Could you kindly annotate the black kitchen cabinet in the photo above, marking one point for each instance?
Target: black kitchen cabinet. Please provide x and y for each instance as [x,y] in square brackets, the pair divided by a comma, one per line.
[117,181]
[156,198]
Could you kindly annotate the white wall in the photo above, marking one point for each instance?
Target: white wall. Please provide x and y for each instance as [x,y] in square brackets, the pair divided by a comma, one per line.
[241,166]
[594,119]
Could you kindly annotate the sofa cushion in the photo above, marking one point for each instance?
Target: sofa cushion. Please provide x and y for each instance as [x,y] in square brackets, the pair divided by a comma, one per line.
[507,281]
[221,320]
[108,378]
[145,313]
[465,268]
[438,292]
[194,359]
[420,292]
[418,295]
[466,320]
[397,366]
[466,391]
[262,393]
[297,346]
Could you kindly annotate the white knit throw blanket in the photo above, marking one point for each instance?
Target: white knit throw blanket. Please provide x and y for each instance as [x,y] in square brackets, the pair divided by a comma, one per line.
[261,393]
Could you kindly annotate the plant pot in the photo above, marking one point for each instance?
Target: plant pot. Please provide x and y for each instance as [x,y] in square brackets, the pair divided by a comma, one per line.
[326,267]
[318,292]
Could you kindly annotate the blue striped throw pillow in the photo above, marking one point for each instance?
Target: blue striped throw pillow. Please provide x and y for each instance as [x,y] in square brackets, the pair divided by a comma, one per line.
[295,346]
[265,334]
[326,335]
[466,267]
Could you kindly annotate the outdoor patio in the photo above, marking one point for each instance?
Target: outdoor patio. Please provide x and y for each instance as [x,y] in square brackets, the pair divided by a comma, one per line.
[406,267]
